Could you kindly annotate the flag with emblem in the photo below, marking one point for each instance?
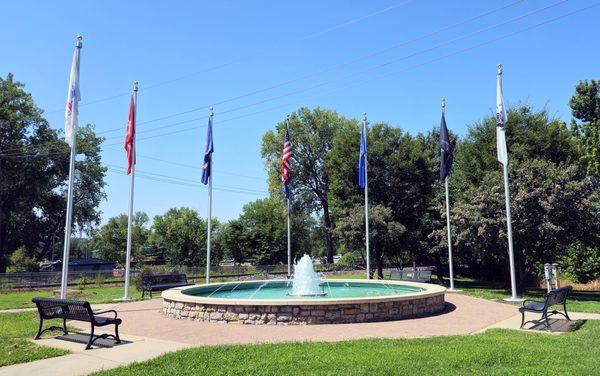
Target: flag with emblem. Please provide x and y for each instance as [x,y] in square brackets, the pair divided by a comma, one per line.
[73,97]
[206,166]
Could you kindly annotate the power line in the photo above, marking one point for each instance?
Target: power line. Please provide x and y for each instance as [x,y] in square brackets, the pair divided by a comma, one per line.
[196,168]
[325,70]
[244,57]
[185,182]
[387,63]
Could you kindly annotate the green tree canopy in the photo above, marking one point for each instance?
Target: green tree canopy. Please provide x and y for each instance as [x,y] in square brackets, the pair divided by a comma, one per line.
[110,240]
[34,166]
[585,105]
[312,133]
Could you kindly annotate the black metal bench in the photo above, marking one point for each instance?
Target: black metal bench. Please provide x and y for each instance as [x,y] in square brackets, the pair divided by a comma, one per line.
[554,297]
[65,309]
[411,275]
[162,282]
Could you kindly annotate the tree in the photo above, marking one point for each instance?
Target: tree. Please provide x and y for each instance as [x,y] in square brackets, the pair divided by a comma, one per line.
[259,235]
[585,105]
[34,165]
[110,240]
[529,135]
[384,233]
[400,179]
[552,207]
[182,233]
[312,133]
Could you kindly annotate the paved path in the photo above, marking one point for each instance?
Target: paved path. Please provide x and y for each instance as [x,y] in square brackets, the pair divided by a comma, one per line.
[149,334]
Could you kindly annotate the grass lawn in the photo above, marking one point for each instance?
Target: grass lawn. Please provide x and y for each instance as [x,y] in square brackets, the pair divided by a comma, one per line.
[15,328]
[579,301]
[93,294]
[494,352]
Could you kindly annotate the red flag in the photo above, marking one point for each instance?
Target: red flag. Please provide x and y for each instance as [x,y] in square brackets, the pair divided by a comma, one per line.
[129,137]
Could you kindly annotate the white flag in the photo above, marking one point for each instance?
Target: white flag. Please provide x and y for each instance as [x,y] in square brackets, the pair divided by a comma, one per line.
[73,96]
[501,119]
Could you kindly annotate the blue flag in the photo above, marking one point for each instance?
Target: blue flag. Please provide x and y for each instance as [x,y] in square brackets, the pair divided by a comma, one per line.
[362,159]
[206,167]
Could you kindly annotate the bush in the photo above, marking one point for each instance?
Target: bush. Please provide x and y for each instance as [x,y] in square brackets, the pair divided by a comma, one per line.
[350,259]
[21,262]
[582,264]
[137,280]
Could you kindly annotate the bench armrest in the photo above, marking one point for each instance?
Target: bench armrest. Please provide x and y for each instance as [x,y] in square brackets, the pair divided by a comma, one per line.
[107,311]
[527,300]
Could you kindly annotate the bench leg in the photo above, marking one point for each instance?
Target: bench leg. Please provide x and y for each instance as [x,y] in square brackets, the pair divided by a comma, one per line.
[91,340]
[117,333]
[566,313]
[65,327]
[39,333]
[522,319]
[546,322]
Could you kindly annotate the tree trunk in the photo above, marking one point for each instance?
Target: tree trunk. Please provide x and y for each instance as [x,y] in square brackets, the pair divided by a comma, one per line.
[380,267]
[328,233]
[3,251]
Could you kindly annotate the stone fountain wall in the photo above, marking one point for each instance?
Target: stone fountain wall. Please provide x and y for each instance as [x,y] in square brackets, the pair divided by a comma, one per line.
[304,314]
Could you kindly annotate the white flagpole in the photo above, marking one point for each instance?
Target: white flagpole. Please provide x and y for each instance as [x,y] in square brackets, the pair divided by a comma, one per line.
[289,232]
[367,202]
[67,244]
[209,224]
[450,265]
[131,191]
[511,254]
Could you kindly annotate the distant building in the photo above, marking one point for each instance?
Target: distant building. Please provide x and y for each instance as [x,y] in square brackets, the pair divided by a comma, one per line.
[89,264]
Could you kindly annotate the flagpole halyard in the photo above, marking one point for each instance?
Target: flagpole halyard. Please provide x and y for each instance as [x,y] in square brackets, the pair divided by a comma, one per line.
[209,221]
[126,295]
[68,223]
[366,201]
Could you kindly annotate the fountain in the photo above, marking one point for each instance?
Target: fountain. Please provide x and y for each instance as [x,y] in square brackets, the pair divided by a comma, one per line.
[303,300]
[305,281]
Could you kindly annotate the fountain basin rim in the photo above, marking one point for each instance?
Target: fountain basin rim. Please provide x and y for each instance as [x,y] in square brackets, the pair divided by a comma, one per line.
[177,295]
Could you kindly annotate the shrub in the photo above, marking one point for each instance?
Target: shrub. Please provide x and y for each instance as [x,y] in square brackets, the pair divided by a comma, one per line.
[582,264]
[21,262]
[137,280]
[350,259]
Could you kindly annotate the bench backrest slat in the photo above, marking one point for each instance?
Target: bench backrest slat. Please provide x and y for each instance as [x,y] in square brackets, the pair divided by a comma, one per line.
[558,296]
[51,308]
[163,278]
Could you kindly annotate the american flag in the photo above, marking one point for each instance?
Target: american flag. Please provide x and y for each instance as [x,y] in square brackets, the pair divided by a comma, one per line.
[285,162]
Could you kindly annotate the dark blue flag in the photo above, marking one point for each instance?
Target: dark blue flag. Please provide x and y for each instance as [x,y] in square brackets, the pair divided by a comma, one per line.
[446,150]
[206,167]
[362,159]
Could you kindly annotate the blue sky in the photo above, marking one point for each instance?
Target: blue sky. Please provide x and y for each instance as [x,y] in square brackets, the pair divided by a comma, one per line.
[189,55]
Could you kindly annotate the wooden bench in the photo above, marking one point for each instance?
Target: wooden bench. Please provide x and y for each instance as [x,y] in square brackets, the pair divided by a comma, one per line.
[162,282]
[554,297]
[411,275]
[65,309]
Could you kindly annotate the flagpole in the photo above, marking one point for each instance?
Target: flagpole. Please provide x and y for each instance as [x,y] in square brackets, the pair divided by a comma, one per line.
[209,224]
[289,232]
[450,265]
[511,254]
[67,244]
[367,203]
[131,192]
